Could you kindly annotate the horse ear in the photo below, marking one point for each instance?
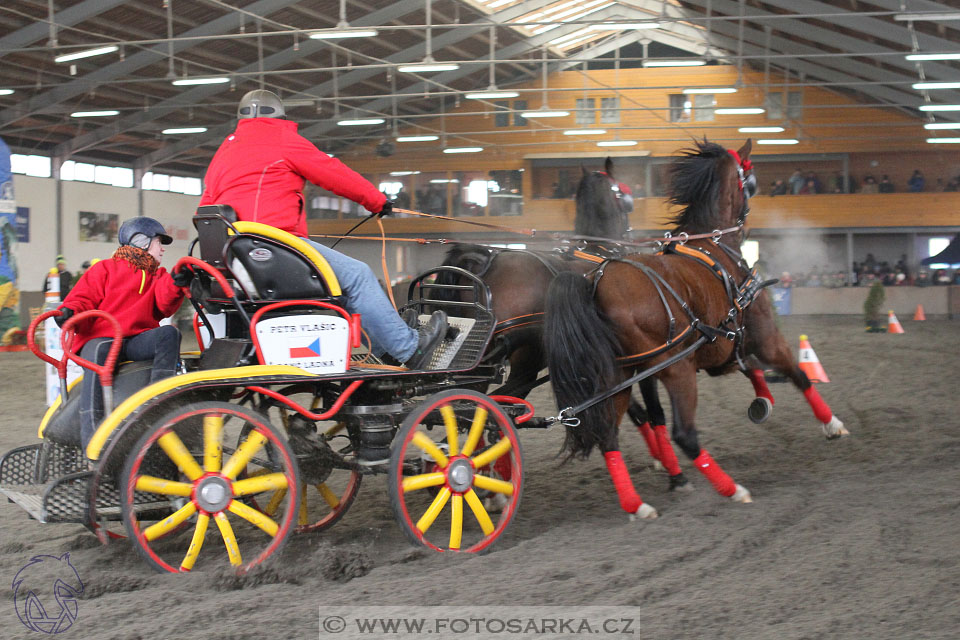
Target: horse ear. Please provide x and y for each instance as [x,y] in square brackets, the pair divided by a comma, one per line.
[583,169]
[608,166]
[744,151]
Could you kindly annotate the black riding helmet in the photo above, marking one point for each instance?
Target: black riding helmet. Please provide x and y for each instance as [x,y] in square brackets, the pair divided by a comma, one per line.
[142,225]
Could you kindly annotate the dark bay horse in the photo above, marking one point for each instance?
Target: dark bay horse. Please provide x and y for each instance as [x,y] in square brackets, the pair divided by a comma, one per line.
[648,308]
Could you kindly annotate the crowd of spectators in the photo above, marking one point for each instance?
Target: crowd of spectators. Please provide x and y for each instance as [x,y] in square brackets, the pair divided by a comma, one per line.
[809,183]
[869,271]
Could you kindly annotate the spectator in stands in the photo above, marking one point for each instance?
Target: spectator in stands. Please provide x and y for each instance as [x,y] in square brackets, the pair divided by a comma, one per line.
[816,181]
[796,182]
[885,185]
[941,277]
[66,278]
[778,188]
[953,184]
[923,278]
[917,182]
[810,188]
[786,280]
[870,185]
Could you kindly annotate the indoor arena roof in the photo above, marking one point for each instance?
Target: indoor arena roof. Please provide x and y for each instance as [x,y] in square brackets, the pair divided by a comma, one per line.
[851,46]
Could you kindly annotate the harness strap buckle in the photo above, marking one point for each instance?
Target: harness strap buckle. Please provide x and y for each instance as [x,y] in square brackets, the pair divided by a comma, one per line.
[566,420]
[684,236]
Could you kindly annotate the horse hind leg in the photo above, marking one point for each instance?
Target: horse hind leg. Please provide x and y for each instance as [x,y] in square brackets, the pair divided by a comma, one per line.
[641,420]
[681,383]
[648,389]
[630,500]
[779,356]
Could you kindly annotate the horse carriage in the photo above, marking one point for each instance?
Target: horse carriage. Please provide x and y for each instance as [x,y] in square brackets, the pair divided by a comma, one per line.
[272,426]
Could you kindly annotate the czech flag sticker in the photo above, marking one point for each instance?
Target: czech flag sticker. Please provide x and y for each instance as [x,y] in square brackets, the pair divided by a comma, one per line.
[310,351]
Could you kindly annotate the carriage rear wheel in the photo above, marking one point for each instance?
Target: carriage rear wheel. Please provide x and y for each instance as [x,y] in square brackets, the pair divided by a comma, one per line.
[187,458]
[455,448]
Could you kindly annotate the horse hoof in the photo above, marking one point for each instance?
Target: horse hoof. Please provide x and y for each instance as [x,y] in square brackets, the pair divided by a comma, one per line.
[645,512]
[679,482]
[658,466]
[834,429]
[759,410]
[741,495]
[495,503]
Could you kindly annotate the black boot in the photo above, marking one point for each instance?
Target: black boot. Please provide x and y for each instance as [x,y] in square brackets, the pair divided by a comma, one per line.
[431,335]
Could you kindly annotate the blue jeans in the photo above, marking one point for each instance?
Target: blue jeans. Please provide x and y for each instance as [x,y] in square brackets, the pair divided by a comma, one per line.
[162,345]
[388,332]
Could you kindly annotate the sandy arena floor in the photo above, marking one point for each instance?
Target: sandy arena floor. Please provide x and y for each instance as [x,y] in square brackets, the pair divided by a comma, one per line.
[858,538]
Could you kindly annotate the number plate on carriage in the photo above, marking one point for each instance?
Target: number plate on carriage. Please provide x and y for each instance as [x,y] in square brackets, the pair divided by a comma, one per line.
[315,343]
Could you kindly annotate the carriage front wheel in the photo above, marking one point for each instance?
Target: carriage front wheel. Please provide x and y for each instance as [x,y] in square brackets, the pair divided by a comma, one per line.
[192,458]
[455,475]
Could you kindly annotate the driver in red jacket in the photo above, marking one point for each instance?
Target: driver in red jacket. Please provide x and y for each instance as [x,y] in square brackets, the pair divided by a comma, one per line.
[139,293]
[260,170]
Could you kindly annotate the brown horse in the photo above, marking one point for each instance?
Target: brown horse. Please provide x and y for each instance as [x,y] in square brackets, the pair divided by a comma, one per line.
[693,306]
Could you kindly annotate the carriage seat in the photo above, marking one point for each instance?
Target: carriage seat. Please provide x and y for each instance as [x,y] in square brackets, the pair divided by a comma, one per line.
[64,426]
[267,263]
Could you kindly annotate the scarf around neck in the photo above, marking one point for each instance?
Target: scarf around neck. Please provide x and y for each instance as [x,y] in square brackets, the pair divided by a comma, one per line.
[138,258]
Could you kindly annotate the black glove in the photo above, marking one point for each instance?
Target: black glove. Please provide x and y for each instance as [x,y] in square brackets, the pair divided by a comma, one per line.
[386,210]
[65,314]
[183,278]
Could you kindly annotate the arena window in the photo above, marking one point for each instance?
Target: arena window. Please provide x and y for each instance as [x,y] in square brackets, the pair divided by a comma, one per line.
[29,165]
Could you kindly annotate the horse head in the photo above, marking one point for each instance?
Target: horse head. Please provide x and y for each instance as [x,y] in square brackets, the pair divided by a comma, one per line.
[712,187]
[599,211]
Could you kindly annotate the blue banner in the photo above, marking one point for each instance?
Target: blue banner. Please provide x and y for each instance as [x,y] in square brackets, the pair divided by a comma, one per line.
[782,298]
[23,224]
[9,293]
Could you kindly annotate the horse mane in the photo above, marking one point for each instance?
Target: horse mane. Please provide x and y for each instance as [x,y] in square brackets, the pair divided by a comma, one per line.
[590,191]
[696,180]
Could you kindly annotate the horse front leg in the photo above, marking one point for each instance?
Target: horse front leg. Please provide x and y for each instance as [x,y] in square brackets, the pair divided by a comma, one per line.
[762,404]
[630,500]
[680,381]
[778,355]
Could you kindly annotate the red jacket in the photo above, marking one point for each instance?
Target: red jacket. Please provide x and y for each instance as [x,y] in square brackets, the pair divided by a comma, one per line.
[136,298]
[260,169]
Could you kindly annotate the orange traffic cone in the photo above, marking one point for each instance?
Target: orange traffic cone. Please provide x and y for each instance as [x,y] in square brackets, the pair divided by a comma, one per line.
[809,363]
[893,325]
[919,315]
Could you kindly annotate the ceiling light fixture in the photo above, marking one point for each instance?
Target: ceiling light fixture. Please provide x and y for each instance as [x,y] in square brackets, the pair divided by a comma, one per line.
[939,107]
[584,132]
[185,82]
[936,85]
[5,92]
[545,111]
[623,26]
[88,53]
[463,150]
[428,65]
[739,111]
[173,132]
[674,63]
[779,141]
[492,92]
[417,138]
[711,90]
[339,34]
[617,143]
[761,129]
[93,114]
[912,17]
[404,173]
[443,181]
[943,140]
[299,102]
[942,125]
[933,56]
[360,122]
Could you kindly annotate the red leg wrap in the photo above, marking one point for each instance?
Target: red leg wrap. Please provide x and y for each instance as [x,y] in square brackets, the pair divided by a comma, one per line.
[820,408]
[760,387]
[502,466]
[667,457]
[650,439]
[723,483]
[629,499]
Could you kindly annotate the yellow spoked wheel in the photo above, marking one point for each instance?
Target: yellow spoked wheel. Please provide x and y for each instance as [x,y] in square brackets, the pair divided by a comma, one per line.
[327,489]
[184,458]
[454,446]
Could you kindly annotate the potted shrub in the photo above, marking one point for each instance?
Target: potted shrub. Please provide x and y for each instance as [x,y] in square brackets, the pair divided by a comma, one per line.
[871,308]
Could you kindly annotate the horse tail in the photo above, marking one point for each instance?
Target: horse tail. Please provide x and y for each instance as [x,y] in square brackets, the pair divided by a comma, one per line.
[581,350]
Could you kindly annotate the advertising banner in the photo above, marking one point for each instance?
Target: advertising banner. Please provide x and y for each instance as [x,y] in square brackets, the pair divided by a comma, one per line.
[9,291]
[782,298]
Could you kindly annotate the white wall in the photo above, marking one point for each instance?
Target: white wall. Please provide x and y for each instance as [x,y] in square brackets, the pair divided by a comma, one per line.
[36,257]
